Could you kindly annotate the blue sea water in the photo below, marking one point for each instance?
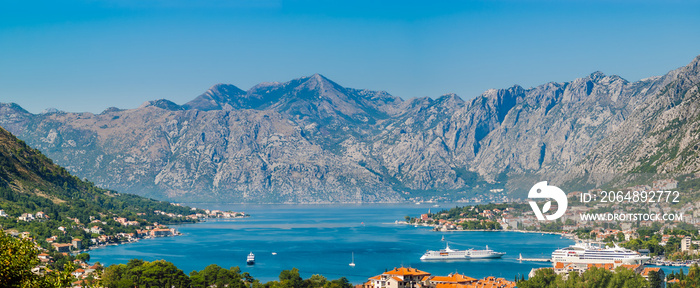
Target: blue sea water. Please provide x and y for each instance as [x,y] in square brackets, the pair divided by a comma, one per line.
[320,239]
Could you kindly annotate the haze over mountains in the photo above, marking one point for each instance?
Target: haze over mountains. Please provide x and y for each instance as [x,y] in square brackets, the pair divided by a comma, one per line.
[311,140]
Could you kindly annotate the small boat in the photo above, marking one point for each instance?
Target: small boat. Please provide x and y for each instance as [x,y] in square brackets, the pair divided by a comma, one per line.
[251,259]
[352,264]
[443,238]
[274,253]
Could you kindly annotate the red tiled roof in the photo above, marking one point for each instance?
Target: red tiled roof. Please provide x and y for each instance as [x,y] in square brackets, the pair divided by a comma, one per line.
[453,278]
[645,272]
[631,267]
[407,272]
[608,266]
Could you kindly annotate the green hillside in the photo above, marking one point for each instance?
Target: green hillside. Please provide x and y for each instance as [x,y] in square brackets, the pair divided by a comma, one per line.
[30,183]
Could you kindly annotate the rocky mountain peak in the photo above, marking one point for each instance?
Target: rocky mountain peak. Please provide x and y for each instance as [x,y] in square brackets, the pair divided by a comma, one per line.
[218,97]
[6,107]
[225,90]
[318,82]
[450,97]
[450,101]
[162,104]
[500,100]
[50,111]
[597,75]
[111,110]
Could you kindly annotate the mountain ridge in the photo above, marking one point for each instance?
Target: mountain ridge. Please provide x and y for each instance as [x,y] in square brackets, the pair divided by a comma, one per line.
[311,140]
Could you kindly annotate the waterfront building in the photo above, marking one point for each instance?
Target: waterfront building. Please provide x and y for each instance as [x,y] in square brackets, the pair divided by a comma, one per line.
[491,282]
[60,247]
[158,232]
[454,278]
[77,243]
[686,244]
[398,278]
[645,273]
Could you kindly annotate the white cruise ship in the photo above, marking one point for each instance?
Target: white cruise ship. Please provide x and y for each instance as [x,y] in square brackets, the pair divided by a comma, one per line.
[591,254]
[450,254]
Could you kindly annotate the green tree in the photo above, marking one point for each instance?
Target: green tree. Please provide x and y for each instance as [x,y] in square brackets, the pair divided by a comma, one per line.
[158,273]
[339,283]
[597,277]
[17,258]
[626,278]
[291,278]
[85,257]
[654,280]
[620,237]
[693,277]
[316,281]
[543,278]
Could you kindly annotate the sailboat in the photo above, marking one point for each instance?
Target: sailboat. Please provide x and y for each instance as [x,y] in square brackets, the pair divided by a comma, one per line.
[443,238]
[352,264]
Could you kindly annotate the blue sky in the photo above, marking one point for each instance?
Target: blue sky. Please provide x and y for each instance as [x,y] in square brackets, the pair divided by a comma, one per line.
[90,55]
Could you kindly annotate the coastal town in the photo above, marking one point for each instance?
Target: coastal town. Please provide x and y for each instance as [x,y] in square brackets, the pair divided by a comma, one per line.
[62,246]
[672,242]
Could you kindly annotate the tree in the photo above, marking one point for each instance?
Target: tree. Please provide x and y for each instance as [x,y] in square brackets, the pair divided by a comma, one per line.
[620,236]
[18,257]
[85,257]
[316,281]
[339,283]
[291,278]
[654,280]
[624,277]
[543,278]
[597,277]
[158,273]
[693,278]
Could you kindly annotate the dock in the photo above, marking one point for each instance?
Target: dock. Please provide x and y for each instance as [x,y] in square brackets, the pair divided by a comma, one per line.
[520,258]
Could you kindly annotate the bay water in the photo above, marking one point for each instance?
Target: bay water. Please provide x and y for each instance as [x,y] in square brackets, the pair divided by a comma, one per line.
[321,239]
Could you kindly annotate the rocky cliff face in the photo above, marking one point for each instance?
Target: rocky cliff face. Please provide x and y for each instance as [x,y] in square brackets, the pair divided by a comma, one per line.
[660,136]
[312,140]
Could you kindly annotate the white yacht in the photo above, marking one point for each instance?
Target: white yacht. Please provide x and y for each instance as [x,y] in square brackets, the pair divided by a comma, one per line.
[450,254]
[591,254]
[251,259]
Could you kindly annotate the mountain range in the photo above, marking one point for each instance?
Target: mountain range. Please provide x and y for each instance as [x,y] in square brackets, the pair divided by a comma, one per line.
[311,140]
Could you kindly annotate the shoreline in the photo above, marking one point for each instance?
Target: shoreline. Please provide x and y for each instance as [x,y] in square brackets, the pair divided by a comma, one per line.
[76,252]
[177,233]
[434,228]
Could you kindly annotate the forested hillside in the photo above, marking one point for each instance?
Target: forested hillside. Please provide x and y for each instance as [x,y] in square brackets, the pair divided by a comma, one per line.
[39,197]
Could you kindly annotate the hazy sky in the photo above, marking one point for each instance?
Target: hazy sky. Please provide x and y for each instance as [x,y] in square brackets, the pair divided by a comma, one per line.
[90,55]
